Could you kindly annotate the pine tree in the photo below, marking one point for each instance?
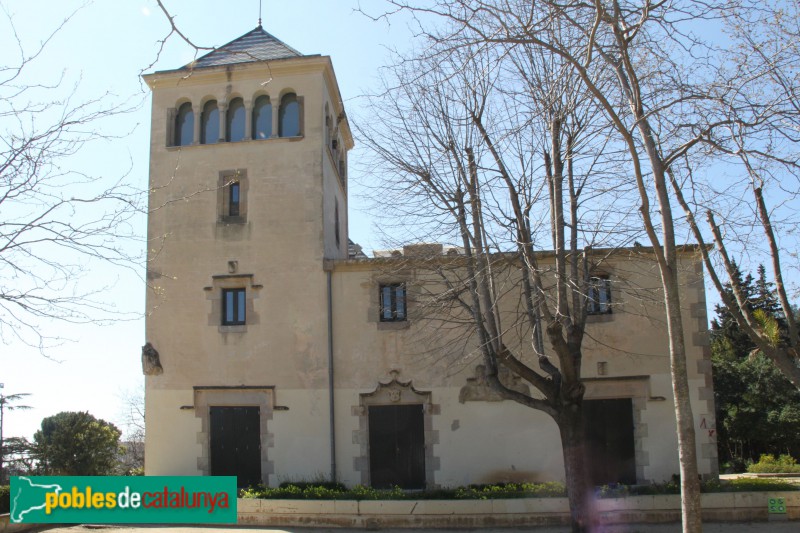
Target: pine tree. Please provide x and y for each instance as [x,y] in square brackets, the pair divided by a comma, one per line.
[758,409]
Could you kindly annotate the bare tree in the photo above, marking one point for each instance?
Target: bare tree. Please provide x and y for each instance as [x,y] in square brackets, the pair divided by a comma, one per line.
[55,220]
[489,150]
[133,426]
[758,142]
[678,104]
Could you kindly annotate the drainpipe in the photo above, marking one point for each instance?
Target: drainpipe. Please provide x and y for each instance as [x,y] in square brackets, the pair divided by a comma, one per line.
[329,272]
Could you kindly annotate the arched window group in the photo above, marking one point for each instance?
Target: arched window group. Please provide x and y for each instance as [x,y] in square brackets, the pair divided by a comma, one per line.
[237,122]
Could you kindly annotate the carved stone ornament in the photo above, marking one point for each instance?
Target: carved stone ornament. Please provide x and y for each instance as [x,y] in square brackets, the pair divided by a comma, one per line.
[477,388]
[151,363]
[395,391]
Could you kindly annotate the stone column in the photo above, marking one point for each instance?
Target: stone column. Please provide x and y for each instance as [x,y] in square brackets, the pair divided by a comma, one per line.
[198,118]
[222,109]
[248,120]
[275,117]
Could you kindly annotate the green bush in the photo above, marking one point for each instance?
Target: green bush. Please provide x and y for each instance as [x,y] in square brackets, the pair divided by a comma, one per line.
[767,464]
[332,485]
[755,485]
[5,499]
[337,491]
[674,487]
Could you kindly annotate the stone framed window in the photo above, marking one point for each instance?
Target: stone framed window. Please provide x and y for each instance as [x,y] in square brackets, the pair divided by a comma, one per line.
[234,308]
[183,126]
[393,302]
[599,295]
[232,298]
[209,123]
[290,116]
[262,118]
[235,126]
[232,196]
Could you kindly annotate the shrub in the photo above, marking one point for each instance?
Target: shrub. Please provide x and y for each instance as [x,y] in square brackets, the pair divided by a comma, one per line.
[5,499]
[756,485]
[784,464]
[674,487]
[337,491]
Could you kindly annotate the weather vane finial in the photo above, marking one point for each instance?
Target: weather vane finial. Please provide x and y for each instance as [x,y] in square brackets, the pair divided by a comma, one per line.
[259,13]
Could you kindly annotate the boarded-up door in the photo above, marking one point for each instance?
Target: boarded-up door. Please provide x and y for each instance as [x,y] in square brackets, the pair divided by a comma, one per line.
[397,446]
[236,444]
[611,455]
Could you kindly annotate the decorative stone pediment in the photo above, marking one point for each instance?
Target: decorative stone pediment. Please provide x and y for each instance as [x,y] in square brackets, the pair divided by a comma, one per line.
[395,391]
[477,388]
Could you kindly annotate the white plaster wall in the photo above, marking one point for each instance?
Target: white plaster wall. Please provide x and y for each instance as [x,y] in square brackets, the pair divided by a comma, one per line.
[485,442]
[301,450]
[171,447]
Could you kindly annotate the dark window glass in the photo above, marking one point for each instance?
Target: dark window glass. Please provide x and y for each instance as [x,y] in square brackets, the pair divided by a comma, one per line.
[184,125]
[599,296]
[262,118]
[393,302]
[289,116]
[235,124]
[233,199]
[209,131]
[233,307]
[336,222]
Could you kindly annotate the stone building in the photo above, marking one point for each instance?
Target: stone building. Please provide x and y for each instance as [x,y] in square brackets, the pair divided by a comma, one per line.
[278,351]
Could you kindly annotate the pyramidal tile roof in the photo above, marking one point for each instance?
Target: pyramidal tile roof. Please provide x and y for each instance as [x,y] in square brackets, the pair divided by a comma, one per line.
[256,45]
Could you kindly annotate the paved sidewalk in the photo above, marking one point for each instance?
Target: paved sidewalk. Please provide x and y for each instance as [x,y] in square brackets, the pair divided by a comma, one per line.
[716,527]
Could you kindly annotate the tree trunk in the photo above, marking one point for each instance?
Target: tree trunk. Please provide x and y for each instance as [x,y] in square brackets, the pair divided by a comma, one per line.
[687,448]
[579,487]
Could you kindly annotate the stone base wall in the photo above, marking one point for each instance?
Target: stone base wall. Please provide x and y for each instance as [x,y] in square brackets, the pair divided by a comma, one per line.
[720,507]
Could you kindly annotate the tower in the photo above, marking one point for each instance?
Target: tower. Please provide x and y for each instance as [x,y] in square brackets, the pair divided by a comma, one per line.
[248,198]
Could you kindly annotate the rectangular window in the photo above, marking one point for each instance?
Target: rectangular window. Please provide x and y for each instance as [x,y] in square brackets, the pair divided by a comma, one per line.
[393,302]
[599,296]
[233,199]
[233,307]
[336,223]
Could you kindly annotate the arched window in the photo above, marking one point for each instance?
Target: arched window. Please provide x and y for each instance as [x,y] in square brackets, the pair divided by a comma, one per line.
[262,118]
[184,125]
[289,116]
[235,124]
[209,127]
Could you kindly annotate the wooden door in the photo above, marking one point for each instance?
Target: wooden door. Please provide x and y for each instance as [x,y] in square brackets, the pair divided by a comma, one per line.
[611,454]
[397,446]
[236,444]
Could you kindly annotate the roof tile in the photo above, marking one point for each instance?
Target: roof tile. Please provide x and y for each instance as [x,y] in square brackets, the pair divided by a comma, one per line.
[256,45]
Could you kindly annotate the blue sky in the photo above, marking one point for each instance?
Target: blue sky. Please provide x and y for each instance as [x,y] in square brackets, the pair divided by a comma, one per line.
[103,49]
